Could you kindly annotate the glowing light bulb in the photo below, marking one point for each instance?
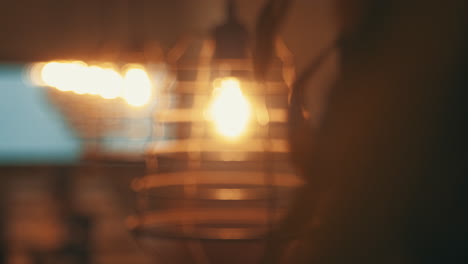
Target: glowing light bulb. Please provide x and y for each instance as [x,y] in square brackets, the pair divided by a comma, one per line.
[137,87]
[77,77]
[112,84]
[52,73]
[230,110]
[66,76]
[95,79]
[35,74]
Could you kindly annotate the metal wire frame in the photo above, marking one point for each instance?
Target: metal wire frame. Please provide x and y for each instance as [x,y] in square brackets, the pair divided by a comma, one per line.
[217,190]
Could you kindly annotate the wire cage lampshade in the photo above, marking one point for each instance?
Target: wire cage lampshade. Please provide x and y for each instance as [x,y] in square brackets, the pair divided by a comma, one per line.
[218,169]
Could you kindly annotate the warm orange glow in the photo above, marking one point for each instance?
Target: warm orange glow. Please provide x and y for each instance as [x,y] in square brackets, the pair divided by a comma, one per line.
[77,77]
[51,73]
[136,86]
[229,194]
[113,84]
[94,80]
[104,82]
[66,76]
[230,110]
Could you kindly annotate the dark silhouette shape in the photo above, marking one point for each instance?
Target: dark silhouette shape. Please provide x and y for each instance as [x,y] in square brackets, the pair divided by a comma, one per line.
[231,38]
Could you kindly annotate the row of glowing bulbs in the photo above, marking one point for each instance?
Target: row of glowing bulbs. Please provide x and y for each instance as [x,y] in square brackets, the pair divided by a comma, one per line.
[133,85]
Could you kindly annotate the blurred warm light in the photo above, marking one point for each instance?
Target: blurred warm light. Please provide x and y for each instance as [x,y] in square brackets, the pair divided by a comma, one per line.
[66,76]
[96,80]
[113,84]
[229,194]
[35,74]
[229,110]
[76,76]
[104,82]
[136,86]
[51,73]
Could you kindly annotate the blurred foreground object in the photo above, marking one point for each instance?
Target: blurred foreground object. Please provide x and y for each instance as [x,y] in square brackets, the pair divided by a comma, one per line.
[386,171]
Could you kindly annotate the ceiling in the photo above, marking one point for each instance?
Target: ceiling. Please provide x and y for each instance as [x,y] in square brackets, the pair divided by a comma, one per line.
[35,30]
